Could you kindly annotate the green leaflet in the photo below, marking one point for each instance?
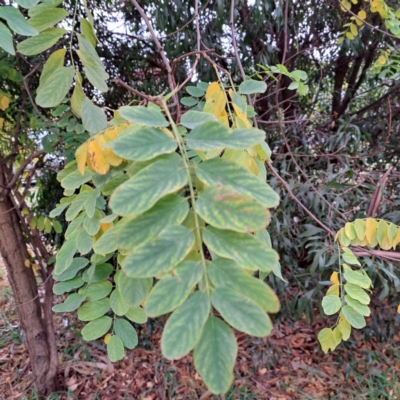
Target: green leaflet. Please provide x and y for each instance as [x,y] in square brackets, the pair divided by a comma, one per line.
[27,3]
[78,96]
[357,278]
[93,309]
[360,308]
[72,303]
[129,233]
[41,42]
[349,256]
[241,312]
[143,144]
[97,273]
[357,293]
[224,208]
[55,87]
[88,32]
[65,255]
[67,286]
[47,18]
[16,21]
[97,290]
[144,116]
[76,265]
[115,348]
[92,225]
[150,184]
[248,251]
[191,119]
[251,86]
[212,135]
[125,331]
[133,291]
[90,203]
[117,303]
[6,41]
[96,328]
[87,48]
[228,273]
[159,254]
[331,304]
[185,325]
[38,8]
[95,73]
[94,118]
[217,172]
[136,314]
[84,242]
[215,354]
[355,319]
[75,179]
[53,63]
[171,291]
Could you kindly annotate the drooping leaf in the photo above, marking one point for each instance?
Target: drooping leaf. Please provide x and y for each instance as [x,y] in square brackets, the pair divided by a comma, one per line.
[331,304]
[185,325]
[327,340]
[65,255]
[145,188]
[171,291]
[47,18]
[217,172]
[115,348]
[39,43]
[88,32]
[144,116]
[84,242]
[78,97]
[344,327]
[371,228]
[93,71]
[94,118]
[215,354]
[159,254]
[16,21]
[248,251]
[92,225]
[223,208]
[228,273]
[142,144]
[241,312]
[125,331]
[96,328]
[55,87]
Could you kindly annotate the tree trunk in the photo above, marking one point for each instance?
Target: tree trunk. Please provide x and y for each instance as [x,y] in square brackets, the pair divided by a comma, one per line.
[23,283]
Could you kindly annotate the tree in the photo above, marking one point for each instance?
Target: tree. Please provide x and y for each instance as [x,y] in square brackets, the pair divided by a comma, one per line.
[171,192]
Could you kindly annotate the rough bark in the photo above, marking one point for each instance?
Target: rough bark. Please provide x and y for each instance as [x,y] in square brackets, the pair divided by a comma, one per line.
[23,283]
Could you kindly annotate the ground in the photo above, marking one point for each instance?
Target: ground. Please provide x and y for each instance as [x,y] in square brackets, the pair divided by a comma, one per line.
[287,365]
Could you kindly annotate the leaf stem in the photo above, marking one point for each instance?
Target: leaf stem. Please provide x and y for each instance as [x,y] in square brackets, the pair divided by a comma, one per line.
[72,32]
[185,158]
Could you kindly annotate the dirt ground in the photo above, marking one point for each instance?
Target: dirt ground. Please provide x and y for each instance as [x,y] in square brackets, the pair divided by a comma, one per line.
[287,365]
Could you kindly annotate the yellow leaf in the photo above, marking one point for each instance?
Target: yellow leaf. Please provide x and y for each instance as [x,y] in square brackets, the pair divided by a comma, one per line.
[362,14]
[350,231]
[241,116]
[224,118]
[168,132]
[337,335]
[107,338]
[4,102]
[344,327]
[109,156]
[385,243]
[105,226]
[349,36]
[1,123]
[371,227]
[398,309]
[396,240]
[334,278]
[215,104]
[381,60]
[96,157]
[213,88]
[333,290]
[353,29]
[27,263]
[111,134]
[81,157]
